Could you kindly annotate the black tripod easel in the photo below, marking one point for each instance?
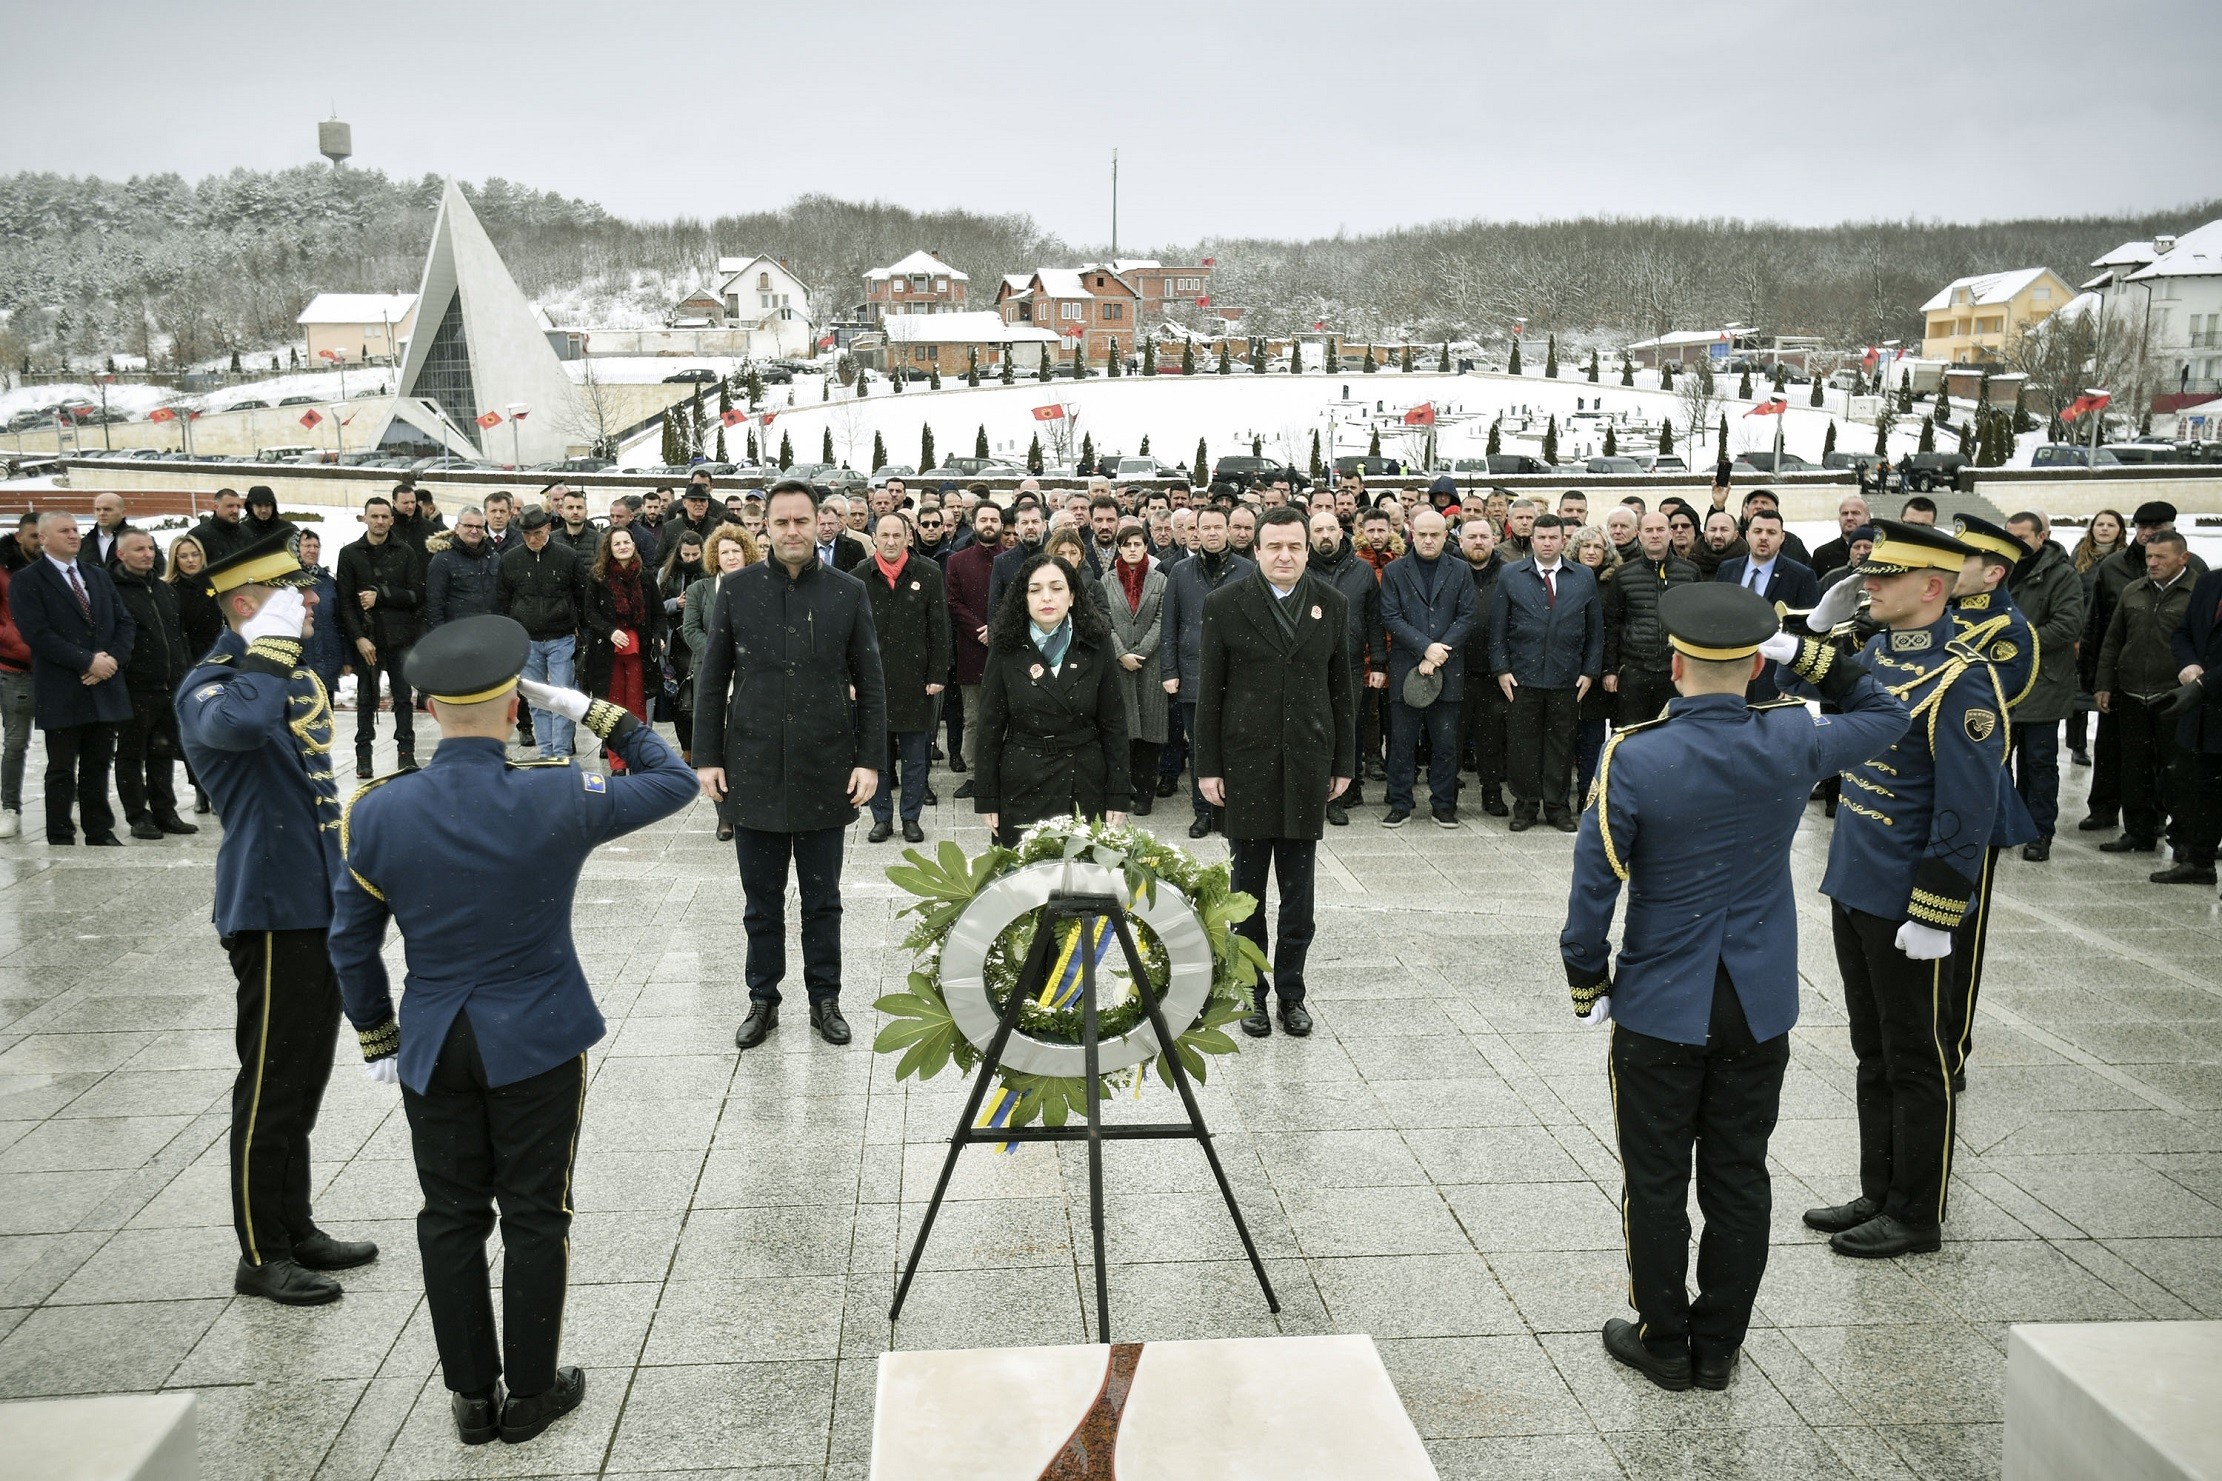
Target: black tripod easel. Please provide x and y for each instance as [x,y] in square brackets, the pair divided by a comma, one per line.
[1066,908]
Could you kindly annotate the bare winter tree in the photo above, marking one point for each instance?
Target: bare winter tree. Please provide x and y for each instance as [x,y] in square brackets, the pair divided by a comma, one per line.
[1700,400]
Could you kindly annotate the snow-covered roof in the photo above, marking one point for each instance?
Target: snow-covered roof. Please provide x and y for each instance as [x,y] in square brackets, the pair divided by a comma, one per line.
[1987,288]
[2197,254]
[920,261]
[730,268]
[1677,337]
[1127,264]
[358,308]
[2075,308]
[2128,252]
[1017,282]
[977,326]
[1062,282]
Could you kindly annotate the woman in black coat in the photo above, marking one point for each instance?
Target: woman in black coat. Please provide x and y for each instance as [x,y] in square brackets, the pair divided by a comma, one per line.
[624,629]
[1052,728]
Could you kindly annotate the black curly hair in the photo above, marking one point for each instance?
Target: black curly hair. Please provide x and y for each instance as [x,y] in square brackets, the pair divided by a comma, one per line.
[1007,629]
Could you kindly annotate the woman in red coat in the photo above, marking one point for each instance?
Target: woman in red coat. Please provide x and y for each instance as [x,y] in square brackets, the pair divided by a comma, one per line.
[624,624]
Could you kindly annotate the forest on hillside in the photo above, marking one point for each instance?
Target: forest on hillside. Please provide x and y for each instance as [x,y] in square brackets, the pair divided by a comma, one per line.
[182,271]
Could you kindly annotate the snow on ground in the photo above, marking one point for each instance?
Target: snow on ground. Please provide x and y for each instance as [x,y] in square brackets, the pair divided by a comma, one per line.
[1282,411]
[138,399]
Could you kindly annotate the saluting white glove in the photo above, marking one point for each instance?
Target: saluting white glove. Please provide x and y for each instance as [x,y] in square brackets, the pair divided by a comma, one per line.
[1600,1013]
[1780,648]
[283,616]
[1924,943]
[1837,605]
[568,703]
[385,1071]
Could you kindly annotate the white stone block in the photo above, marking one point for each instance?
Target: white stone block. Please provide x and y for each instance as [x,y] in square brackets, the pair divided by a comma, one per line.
[116,1437]
[2128,1401]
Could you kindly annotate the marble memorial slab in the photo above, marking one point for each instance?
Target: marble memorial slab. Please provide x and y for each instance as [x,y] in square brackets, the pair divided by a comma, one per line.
[2130,1401]
[1253,1409]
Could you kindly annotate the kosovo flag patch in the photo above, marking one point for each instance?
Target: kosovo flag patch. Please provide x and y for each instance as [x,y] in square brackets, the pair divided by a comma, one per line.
[595,781]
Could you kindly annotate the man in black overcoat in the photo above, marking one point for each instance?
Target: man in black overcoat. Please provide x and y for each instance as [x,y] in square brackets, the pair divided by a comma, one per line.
[910,616]
[1276,739]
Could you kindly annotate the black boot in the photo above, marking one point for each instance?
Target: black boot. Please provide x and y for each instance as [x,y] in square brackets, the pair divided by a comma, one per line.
[762,1018]
[1492,802]
[825,1017]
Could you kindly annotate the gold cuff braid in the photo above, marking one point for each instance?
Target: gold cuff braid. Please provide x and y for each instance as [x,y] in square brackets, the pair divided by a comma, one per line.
[382,1042]
[1815,658]
[286,651]
[1585,998]
[602,717]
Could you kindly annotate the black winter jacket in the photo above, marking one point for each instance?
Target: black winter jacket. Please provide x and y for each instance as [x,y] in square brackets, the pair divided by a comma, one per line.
[158,659]
[544,590]
[461,583]
[911,620]
[396,572]
[1361,594]
[1635,639]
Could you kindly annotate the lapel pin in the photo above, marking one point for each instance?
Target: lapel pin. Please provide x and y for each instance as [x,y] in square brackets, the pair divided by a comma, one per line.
[1035,672]
[1315,613]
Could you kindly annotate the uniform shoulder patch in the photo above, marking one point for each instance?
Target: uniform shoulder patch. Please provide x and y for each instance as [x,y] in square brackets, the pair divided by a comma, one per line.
[1980,725]
[1619,730]
[2004,651]
[595,781]
[1786,702]
[207,692]
[543,761]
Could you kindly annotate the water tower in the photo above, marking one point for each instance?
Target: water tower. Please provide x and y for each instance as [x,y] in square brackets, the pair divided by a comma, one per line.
[335,141]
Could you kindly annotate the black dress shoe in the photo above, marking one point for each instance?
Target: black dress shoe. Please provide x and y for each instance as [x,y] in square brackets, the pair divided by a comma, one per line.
[1565,822]
[2184,874]
[1258,1024]
[1839,1217]
[1200,827]
[284,1282]
[521,1419]
[405,762]
[1882,1237]
[2037,851]
[881,832]
[2129,844]
[1168,785]
[362,765]
[145,828]
[1396,817]
[172,823]
[934,753]
[1296,1020]
[1144,805]
[964,788]
[477,1416]
[762,1019]
[1521,822]
[2097,824]
[1672,1374]
[1712,1370]
[1492,802]
[826,1018]
[912,833]
[1338,816]
[322,1252]
[956,763]
[105,840]
[1959,1082]
[932,798]
[2080,758]
[200,803]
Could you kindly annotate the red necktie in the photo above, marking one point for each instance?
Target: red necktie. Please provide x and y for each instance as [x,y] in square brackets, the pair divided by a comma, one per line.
[77,588]
[1550,588]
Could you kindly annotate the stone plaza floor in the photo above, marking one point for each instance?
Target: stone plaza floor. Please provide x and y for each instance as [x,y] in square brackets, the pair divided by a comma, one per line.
[1434,1167]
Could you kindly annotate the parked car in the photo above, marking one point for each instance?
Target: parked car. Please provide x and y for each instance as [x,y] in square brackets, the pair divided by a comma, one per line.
[447,463]
[284,453]
[776,375]
[1764,462]
[1244,470]
[579,465]
[1664,463]
[1857,462]
[250,404]
[1517,463]
[696,376]
[1934,470]
[2142,452]
[299,400]
[1367,467]
[1615,465]
[2070,455]
[840,480]
[881,475]
[1130,469]
[958,468]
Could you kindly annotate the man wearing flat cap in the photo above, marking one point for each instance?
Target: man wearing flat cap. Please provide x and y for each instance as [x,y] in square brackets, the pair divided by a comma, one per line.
[257,729]
[490,1046]
[2109,580]
[1707,987]
[1912,832]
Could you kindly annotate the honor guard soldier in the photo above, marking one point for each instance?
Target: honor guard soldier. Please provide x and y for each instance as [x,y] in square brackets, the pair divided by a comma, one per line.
[1916,820]
[490,1047]
[1988,621]
[257,732]
[1707,987]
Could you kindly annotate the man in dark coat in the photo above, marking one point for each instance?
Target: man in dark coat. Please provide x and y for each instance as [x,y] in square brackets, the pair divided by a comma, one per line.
[2108,580]
[2197,645]
[109,526]
[1334,562]
[2135,681]
[381,598]
[261,520]
[1026,520]
[787,643]
[1546,647]
[464,577]
[1770,570]
[543,586]
[1428,606]
[1276,737]
[79,634]
[1481,714]
[911,616]
[966,575]
[1180,640]
[2049,591]
[147,746]
[1638,661]
[221,533]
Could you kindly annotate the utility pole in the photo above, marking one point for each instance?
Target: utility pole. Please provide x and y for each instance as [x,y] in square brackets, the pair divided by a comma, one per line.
[1114,204]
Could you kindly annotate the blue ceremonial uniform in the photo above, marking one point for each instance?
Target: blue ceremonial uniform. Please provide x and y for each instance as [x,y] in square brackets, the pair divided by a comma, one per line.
[1695,812]
[1992,625]
[257,730]
[439,849]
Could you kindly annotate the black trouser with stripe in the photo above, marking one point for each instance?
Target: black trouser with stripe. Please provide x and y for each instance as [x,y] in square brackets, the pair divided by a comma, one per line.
[1964,969]
[287,1029]
[1720,1099]
[1903,1090]
[478,1145]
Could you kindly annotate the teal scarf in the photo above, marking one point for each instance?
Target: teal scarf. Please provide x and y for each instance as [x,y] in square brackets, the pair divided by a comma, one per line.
[1052,644]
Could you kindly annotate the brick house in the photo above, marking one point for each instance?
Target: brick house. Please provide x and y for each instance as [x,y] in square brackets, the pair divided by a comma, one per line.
[920,284]
[1092,305]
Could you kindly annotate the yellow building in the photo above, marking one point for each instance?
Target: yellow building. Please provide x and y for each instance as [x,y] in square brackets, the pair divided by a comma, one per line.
[354,327]
[1975,320]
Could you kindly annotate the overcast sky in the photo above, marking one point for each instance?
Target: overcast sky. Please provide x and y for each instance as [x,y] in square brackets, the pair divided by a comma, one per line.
[1290,119]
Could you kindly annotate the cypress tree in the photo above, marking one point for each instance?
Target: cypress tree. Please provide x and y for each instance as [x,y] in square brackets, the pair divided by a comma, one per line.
[1443,363]
[1257,447]
[1009,366]
[1295,356]
[1905,391]
[235,370]
[1743,386]
[1967,440]
[786,452]
[666,451]
[1813,397]
[1550,357]
[1045,368]
[1496,438]
[755,454]
[1034,454]
[1666,439]
[1828,439]
[1112,362]
[1550,441]
[933,377]
[1627,371]
[972,365]
[1087,454]
[1330,361]
[825,448]
[862,390]
[1187,357]
[720,455]
[879,453]
[1201,472]
[1080,359]
[1705,374]
[1928,443]
[1781,375]
[1226,362]
[1406,363]
[825,388]
[1369,367]
[1666,375]
[1373,446]
[926,459]
[1724,435]
[1512,366]
[755,387]
[1612,443]
[980,442]
[1316,467]
[1149,356]
[725,398]
[1593,367]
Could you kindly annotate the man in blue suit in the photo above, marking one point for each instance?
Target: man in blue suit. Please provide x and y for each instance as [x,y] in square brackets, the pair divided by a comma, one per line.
[1707,988]
[1770,571]
[1546,648]
[1430,609]
[79,634]
[490,1049]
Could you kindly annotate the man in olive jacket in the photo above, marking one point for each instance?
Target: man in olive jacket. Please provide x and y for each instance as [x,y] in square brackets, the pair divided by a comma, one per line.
[2049,591]
[789,641]
[1276,739]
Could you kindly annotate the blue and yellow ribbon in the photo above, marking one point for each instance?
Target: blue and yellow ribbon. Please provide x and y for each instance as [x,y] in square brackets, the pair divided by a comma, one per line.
[1061,991]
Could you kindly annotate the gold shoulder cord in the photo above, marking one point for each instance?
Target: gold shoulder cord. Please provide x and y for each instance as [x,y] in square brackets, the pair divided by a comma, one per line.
[347,817]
